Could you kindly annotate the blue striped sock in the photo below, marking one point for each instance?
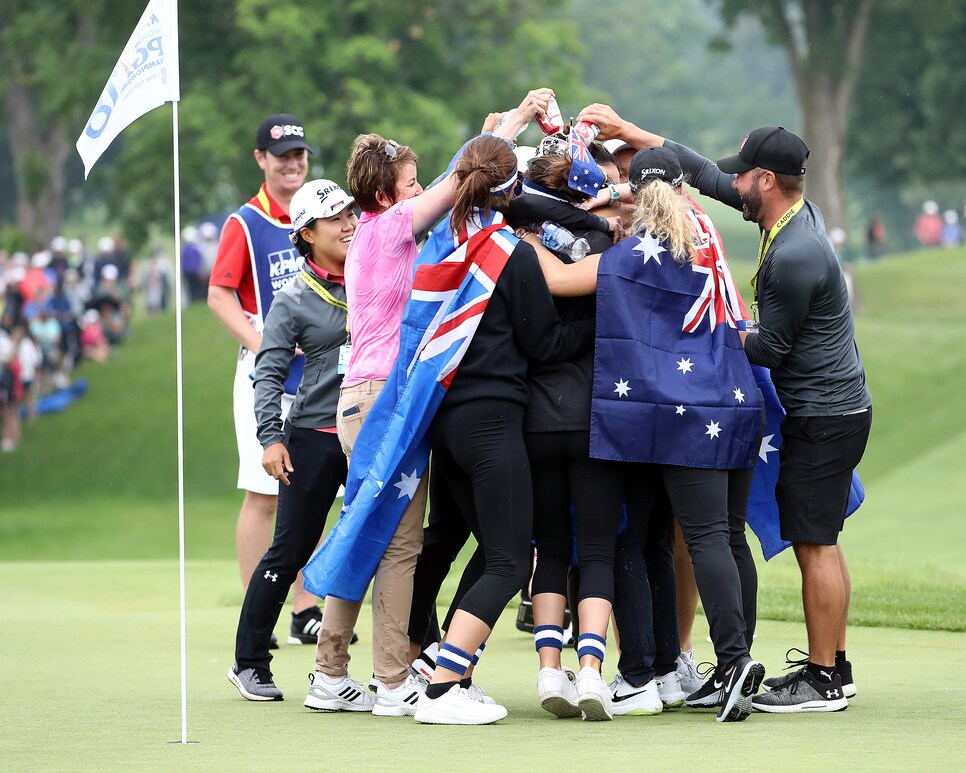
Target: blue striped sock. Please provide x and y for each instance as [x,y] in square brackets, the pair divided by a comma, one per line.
[591,644]
[479,654]
[548,636]
[453,658]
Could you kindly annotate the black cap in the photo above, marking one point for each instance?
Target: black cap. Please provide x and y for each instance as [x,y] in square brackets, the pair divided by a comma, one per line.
[654,164]
[770,147]
[281,133]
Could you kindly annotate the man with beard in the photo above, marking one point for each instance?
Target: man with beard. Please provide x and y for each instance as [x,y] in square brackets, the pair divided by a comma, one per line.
[805,335]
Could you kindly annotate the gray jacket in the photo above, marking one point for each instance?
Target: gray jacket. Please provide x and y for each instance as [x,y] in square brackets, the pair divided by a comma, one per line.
[299,316]
[806,335]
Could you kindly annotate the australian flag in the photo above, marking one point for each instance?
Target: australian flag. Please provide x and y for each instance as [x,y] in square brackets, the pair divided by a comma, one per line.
[762,508]
[672,384]
[585,175]
[455,279]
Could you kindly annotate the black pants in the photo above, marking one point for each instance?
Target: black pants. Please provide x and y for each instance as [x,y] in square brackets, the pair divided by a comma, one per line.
[645,594]
[563,474]
[479,453]
[710,505]
[320,468]
[444,535]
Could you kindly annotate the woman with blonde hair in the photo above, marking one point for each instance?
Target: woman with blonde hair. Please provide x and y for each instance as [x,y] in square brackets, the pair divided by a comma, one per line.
[675,396]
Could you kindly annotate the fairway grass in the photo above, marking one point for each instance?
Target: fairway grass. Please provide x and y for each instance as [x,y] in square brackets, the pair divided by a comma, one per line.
[94,684]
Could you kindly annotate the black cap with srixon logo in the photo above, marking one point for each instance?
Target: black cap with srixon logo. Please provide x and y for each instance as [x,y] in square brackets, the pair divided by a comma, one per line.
[281,133]
[655,164]
[771,147]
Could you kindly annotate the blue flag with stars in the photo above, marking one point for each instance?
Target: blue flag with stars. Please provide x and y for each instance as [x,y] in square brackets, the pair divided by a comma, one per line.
[672,384]
[585,175]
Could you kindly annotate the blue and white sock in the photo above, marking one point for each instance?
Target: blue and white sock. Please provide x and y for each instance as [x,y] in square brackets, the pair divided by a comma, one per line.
[479,654]
[453,658]
[548,636]
[591,644]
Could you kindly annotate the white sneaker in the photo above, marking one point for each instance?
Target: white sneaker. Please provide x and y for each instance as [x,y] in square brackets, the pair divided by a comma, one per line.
[456,707]
[593,697]
[398,701]
[345,695]
[479,695]
[629,700]
[669,686]
[557,692]
[691,680]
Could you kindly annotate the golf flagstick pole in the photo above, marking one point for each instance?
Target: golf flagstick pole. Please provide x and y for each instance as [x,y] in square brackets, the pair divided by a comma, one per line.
[180,387]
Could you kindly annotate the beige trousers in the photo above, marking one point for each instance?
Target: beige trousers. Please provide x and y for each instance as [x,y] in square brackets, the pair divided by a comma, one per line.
[392,589]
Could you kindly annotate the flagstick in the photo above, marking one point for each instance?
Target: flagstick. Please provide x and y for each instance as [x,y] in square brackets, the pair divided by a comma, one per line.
[180,388]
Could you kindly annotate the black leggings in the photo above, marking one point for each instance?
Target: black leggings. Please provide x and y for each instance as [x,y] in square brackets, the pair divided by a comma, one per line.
[479,454]
[320,468]
[563,472]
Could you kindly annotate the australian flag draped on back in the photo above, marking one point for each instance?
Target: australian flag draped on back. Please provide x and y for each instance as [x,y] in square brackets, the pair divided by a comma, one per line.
[676,321]
[455,278]
[672,384]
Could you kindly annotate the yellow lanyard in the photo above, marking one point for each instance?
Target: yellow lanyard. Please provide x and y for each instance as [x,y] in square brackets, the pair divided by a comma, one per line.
[324,294]
[765,244]
[267,206]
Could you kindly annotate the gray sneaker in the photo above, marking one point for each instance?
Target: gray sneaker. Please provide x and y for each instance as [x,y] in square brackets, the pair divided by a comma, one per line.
[803,693]
[255,684]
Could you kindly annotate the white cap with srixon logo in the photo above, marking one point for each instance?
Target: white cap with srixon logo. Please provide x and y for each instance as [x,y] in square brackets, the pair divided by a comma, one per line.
[317,199]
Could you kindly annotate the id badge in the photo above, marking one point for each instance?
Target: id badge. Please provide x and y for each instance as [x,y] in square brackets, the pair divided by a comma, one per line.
[345,352]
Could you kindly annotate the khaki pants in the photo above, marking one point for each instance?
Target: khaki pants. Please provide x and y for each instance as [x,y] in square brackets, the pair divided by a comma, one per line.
[392,589]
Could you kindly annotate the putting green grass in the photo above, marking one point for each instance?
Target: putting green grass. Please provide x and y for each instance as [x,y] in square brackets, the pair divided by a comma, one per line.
[94,685]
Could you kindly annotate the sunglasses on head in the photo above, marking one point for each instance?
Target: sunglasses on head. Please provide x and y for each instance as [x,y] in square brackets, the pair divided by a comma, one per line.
[391,149]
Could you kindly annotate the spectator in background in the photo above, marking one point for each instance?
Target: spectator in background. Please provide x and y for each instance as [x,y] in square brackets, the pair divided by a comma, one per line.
[846,256]
[208,245]
[27,354]
[10,391]
[192,265]
[93,341]
[59,261]
[110,300]
[46,332]
[952,231]
[156,282]
[929,225]
[874,239]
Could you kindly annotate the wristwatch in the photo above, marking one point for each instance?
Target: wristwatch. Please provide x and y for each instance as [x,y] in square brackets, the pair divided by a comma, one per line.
[614,195]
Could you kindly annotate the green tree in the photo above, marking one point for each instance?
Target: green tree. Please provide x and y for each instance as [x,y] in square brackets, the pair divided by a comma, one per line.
[46,48]
[825,41]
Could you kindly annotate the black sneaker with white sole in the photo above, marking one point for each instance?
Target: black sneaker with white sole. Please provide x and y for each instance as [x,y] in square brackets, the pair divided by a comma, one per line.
[741,682]
[709,695]
[255,684]
[844,669]
[305,627]
[803,693]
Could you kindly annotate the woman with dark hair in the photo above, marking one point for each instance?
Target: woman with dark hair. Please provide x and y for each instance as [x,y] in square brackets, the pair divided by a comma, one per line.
[477,434]
[302,452]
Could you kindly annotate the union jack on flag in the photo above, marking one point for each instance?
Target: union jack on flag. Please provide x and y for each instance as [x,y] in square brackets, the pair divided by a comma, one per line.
[454,281]
[585,175]
[719,300]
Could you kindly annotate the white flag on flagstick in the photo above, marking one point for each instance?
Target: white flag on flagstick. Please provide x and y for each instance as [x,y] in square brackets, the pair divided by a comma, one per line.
[145,77]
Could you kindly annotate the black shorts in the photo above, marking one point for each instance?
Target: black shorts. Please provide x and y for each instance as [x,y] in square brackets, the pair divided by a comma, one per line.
[818,456]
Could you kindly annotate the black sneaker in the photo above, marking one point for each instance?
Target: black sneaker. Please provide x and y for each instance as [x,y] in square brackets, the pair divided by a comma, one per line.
[525,617]
[710,694]
[740,684]
[255,684]
[803,692]
[844,669]
[273,642]
[305,626]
